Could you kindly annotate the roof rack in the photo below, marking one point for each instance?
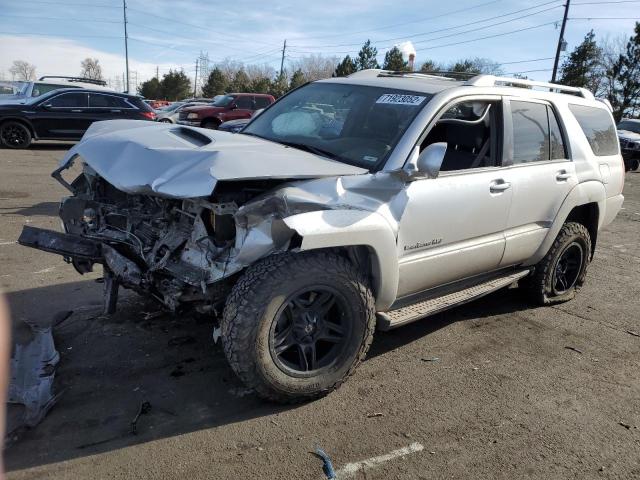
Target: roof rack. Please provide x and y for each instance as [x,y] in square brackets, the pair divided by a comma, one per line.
[492,81]
[376,72]
[76,79]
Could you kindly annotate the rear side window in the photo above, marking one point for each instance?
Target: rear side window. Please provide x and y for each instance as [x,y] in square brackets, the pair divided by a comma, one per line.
[536,134]
[245,103]
[97,100]
[262,102]
[598,127]
[42,88]
[70,100]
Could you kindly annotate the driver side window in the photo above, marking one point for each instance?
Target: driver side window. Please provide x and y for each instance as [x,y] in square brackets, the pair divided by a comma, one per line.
[470,130]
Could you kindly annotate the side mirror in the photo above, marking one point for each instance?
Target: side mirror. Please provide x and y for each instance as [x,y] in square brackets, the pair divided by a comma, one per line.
[428,162]
[46,106]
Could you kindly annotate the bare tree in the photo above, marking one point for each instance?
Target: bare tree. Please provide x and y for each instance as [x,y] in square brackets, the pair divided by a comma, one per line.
[91,68]
[610,50]
[21,70]
[229,68]
[256,72]
[316,67]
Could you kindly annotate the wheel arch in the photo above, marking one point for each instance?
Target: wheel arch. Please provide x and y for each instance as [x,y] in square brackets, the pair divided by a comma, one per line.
[363,237]
[215,120]
[23,121]
[585,204]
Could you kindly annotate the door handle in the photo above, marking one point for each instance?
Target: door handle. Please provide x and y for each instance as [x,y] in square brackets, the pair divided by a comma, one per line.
[499,186]
[116,111]
[563,176]
[76,111]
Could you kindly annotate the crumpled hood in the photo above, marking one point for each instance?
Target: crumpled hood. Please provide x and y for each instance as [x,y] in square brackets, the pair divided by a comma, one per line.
[183,162]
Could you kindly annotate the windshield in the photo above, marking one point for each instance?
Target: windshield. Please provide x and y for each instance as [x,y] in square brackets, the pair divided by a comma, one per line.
[223,101]
[353,124]
[172,107]
[629,126]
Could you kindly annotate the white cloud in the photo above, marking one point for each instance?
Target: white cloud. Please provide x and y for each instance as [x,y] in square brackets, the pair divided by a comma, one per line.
[58,56]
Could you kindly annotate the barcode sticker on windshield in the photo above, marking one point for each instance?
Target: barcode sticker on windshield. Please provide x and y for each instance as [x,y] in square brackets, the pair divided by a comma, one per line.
[398,99]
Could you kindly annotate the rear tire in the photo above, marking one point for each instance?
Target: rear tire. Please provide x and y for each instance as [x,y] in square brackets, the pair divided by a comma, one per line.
[15,135]
[635,163]
[562,271]
[295,326]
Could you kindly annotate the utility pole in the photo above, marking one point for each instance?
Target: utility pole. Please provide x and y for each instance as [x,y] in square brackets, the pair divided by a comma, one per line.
[284,49]
[126,42]
[560,41]
[195,80]
[157,72]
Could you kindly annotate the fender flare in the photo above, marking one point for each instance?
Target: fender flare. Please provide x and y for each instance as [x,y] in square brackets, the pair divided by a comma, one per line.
[345,228]
[591,191]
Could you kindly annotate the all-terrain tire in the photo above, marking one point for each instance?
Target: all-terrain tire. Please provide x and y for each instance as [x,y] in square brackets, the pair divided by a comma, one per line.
[15,135]
[251,309]
[540,286]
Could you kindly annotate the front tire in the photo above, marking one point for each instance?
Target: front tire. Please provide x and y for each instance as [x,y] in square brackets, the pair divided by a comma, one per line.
[562,271]
[635,163]
[15,135]
[295,326]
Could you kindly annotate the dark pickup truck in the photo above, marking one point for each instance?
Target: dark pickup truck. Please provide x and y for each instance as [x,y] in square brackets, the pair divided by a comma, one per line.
[233,106]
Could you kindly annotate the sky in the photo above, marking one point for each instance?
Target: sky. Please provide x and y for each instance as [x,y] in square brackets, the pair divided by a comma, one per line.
[520,35]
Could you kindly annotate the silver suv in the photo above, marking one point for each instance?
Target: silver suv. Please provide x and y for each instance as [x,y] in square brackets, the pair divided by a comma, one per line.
[351,203]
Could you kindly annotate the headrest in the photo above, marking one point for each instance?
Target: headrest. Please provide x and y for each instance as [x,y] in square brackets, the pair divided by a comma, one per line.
[467,137]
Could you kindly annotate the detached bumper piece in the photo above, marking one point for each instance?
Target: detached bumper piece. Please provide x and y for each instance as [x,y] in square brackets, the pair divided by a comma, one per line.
[61,243]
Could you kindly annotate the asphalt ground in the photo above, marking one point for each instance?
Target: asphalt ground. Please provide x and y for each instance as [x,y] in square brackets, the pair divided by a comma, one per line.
[494,389]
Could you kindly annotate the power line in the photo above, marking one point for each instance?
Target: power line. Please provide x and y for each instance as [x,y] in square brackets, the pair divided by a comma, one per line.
[83,20]
[473,7]
[72,4]
[603,18]
[173,20]
[454,26]
[490,36]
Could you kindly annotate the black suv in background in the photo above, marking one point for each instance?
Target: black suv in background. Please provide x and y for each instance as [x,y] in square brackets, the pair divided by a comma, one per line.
[65,114]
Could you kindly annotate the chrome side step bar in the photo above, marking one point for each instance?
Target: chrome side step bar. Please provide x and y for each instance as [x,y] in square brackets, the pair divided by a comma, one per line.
[402,316]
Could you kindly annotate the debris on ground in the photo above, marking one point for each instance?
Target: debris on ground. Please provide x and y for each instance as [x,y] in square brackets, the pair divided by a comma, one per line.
[635,334]
[327,466]
[625,425]
[375,414]
[573,349]
[431,359]
[33,367]
[145,407]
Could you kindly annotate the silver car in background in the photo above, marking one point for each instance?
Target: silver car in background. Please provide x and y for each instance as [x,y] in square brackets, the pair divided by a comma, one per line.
[169,114]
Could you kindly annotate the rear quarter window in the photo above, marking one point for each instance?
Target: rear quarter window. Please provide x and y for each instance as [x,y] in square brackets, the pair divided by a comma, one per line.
[597,125]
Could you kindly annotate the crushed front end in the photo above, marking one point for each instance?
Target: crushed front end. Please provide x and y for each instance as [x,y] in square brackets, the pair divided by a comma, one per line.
[177,251]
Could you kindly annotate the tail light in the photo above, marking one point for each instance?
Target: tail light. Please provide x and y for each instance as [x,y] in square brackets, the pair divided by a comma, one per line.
[149,115]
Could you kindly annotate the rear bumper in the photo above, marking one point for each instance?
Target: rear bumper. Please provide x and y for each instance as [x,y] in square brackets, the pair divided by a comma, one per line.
[72,246]
[613,206]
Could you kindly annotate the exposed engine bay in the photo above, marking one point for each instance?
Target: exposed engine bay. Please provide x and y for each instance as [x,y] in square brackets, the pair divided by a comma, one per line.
[174,250]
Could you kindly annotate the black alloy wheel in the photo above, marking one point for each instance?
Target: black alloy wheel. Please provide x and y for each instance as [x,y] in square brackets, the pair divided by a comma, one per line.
[568,268]
[310,331]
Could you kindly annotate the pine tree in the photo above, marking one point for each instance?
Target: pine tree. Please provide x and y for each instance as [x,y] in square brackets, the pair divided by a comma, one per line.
[151,89]
[279,86]
[582,68]
[297,79]
[367,57]
[429,67]
[216,84]
[394,61]
[346,67]
[175,86]
[240,82]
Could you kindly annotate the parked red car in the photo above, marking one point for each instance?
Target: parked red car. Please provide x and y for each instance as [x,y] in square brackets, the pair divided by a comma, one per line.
[232,106]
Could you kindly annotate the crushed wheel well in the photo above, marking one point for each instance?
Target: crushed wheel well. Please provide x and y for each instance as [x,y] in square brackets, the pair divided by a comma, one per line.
[587,215]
